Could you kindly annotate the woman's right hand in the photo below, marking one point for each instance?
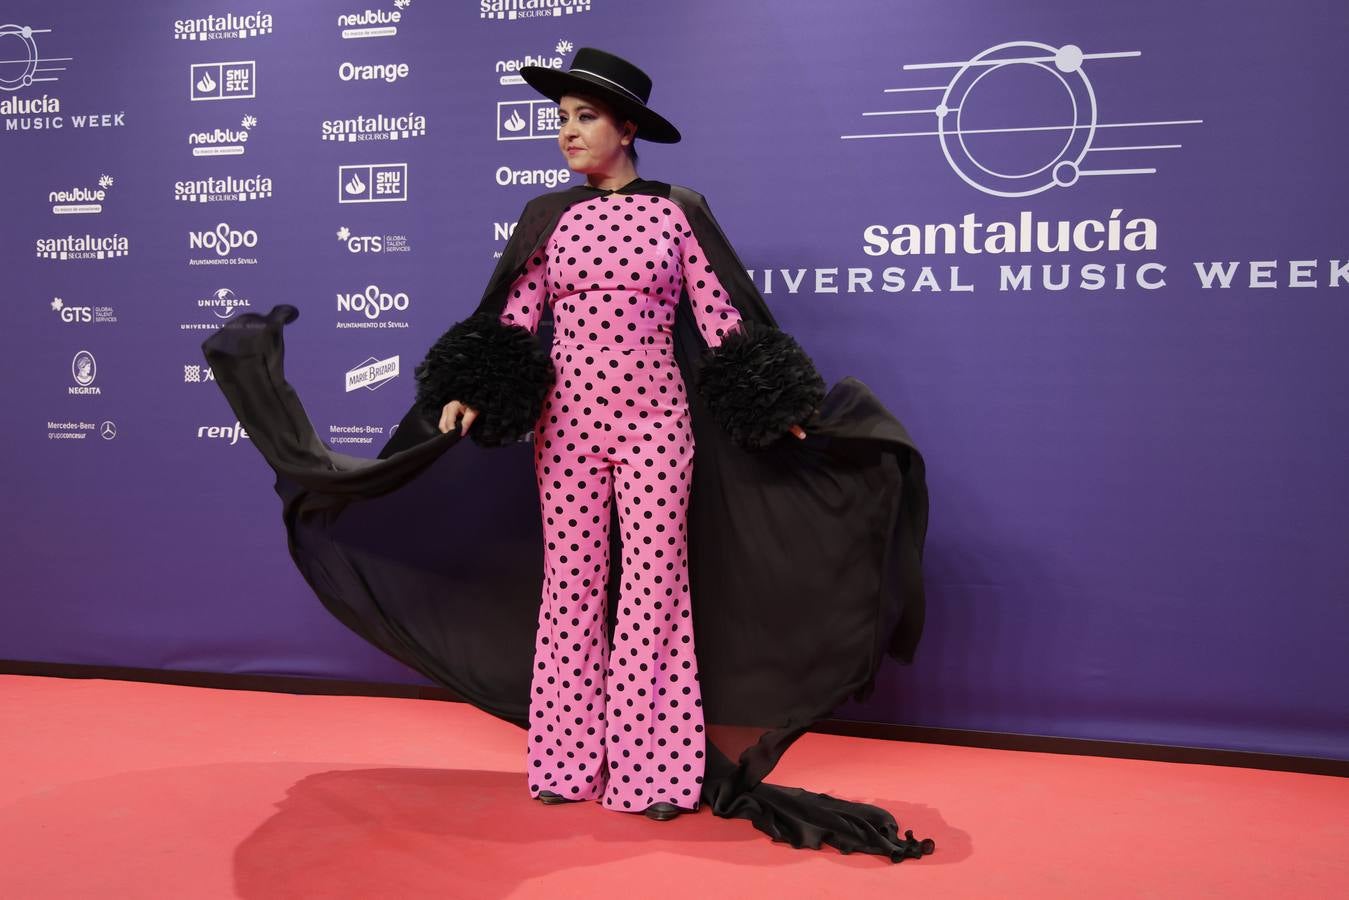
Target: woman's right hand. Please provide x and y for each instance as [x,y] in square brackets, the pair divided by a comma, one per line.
[450,414]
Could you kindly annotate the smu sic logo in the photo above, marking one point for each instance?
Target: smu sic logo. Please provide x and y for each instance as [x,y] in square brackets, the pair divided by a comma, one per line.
[222,240]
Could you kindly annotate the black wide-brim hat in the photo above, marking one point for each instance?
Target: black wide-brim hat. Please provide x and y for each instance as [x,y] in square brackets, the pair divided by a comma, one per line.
[608,78]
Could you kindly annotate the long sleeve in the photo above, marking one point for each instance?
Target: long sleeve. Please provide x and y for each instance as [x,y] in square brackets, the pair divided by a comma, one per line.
[756,379]
[527,294]
[489,363]
[711,302]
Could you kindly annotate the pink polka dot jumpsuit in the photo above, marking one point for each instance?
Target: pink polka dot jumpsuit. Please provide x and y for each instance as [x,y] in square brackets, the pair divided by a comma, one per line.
[622,725]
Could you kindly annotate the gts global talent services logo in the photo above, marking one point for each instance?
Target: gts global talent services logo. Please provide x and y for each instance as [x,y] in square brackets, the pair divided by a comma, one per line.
[227,188]
[223,141]
[237,80]
[80,200]
[361,244]
[222,26]
[83,315]
[373,23]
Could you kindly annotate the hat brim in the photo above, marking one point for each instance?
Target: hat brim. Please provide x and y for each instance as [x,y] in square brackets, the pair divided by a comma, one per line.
[554,83]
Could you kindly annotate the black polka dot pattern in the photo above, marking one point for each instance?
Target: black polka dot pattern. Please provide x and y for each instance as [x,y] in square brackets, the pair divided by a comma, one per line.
[617,721]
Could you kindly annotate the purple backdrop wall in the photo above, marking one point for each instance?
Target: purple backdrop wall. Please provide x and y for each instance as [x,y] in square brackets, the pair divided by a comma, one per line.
[1138,480]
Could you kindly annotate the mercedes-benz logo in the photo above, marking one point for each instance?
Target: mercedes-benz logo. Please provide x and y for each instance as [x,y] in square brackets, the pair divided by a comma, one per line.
[108,430]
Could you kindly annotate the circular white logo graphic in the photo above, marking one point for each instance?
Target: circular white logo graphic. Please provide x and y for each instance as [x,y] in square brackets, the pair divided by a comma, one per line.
[84,368]
[108,430]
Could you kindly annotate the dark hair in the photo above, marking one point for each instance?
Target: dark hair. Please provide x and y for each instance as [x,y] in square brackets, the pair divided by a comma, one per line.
[632,150]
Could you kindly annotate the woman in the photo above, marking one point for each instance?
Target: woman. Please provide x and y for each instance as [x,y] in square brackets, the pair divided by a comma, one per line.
[612,275]
[803,554]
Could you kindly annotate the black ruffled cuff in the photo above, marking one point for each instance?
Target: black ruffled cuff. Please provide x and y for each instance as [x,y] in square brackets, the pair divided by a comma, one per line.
[758,383]
[498,369]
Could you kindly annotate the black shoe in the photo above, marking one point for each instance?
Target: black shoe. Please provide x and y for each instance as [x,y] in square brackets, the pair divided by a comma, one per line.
[549,798]
[662,811]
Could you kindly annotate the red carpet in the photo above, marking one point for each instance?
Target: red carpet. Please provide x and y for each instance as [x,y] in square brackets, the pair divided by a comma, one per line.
[127,790]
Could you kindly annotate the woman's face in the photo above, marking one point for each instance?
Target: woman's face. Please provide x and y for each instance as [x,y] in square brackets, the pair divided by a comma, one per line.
[590,137]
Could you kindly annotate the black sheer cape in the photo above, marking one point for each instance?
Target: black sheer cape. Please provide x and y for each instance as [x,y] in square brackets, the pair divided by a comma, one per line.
[804,556]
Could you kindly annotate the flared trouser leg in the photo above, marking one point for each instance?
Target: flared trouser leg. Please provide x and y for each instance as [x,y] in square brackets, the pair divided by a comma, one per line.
[654,705]
[619,722]
[571,648]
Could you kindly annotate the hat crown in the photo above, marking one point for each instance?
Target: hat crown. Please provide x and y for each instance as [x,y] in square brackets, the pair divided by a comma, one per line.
[615,70]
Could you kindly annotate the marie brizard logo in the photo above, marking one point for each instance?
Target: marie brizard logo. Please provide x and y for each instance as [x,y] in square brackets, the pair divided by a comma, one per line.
[981,128]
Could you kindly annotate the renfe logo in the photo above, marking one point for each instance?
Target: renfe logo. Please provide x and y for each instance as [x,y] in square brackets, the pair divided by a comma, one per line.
[229,433]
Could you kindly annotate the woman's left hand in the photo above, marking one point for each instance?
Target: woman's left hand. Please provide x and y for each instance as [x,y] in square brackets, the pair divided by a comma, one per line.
[796,430]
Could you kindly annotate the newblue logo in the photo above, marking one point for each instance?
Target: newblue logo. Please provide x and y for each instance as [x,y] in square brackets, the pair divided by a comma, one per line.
[372,23]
